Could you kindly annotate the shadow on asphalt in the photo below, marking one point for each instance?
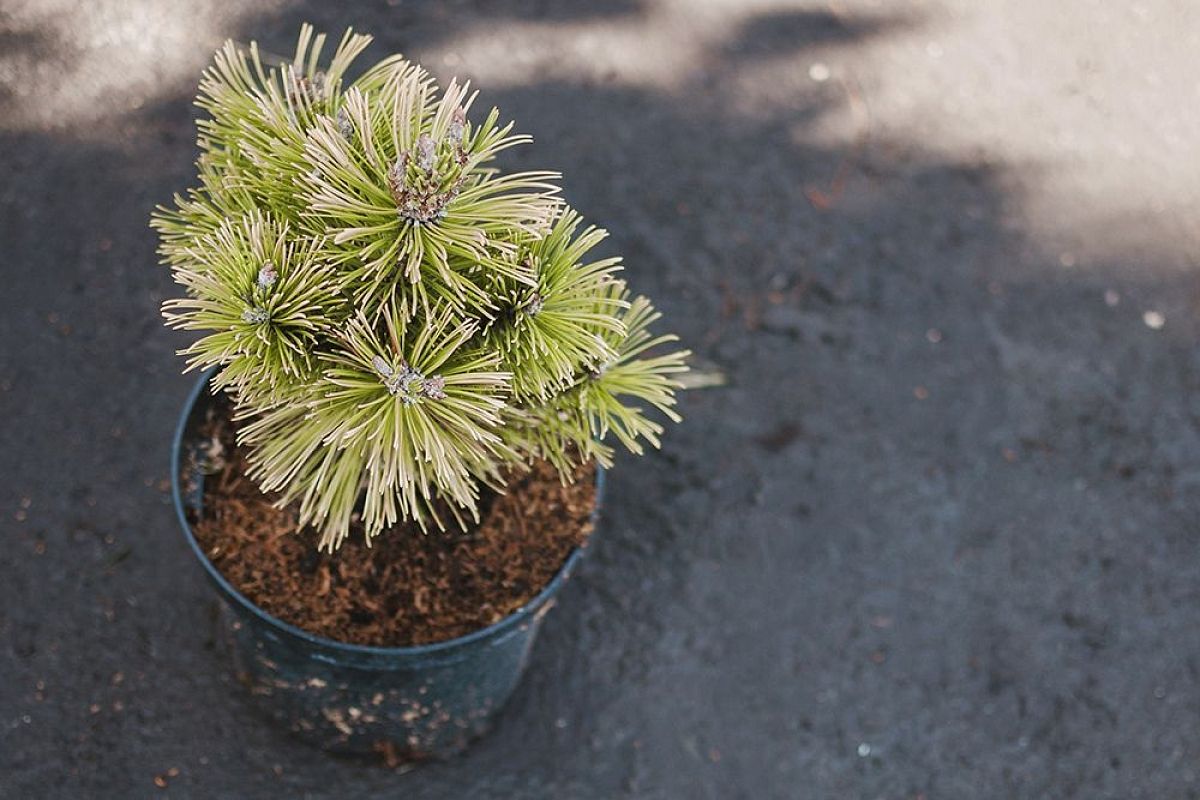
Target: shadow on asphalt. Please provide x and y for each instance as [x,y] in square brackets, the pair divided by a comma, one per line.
[874,534]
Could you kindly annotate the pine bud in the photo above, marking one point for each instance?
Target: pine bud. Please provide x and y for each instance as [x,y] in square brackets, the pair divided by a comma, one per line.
[426,150]
[408,384]
[344,124]
[255,316]
[310,90]
[382,367]
[396,177]
[267,276]
[434,388]
[454,133]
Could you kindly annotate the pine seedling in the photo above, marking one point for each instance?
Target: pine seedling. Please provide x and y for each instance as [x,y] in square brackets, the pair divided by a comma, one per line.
[399,323]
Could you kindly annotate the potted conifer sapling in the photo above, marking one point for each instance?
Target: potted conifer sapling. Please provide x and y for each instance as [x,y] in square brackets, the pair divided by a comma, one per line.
[412,378]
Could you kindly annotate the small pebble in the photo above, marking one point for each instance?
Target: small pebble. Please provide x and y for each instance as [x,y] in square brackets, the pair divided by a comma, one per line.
[933,335]
[1111,298]
[819,72]
[864,750]
[1154,320]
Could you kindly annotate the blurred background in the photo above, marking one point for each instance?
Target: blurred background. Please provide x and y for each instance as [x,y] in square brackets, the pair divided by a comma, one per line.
[937,538]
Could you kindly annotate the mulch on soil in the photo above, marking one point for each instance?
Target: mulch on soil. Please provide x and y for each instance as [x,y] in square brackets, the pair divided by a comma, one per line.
[409,587]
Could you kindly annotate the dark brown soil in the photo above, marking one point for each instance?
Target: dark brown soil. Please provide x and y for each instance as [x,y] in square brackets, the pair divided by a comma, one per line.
[408,587]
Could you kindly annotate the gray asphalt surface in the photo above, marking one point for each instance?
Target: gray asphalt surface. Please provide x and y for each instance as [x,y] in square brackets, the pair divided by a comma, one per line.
[936,539]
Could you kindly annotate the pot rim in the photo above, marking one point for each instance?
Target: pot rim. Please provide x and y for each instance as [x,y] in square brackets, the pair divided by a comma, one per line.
[231,592]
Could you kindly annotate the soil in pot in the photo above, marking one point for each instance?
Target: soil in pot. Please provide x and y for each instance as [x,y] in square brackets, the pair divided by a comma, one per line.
[409,587]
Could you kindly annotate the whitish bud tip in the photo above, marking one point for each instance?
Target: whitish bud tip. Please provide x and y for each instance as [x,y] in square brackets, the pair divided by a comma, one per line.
[407,383]
[345,126]
[434,388]
[426,150]
[255,316]
[267,276]
[382,366]
[396,174]
[458,121]
[310,89]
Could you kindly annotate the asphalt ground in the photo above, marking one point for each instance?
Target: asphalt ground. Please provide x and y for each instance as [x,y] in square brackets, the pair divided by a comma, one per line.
[937,536]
